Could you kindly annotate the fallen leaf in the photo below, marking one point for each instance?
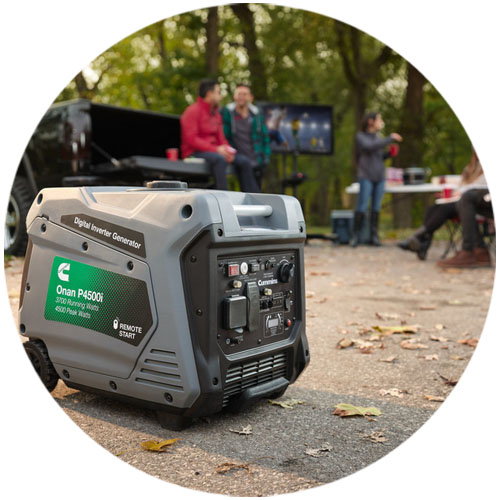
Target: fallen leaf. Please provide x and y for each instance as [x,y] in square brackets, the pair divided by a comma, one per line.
[228,466]
[244,430]
[353,323]
[452,270]
[309,294]
[439,326]
[427,308]
[159,446]
[431,357]
[438,339]
[322,301]
[469,341]
[385,316]
[457,358]
[390,359]
[437,399]
[376,437]
[318,452]
[398,393]
[344,343]
[390,330]
[289,403]
[449,381]
[455,302]
[408,344]
[347,410]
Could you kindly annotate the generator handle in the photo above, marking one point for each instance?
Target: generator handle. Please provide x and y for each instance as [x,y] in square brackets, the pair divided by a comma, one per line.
[251,210]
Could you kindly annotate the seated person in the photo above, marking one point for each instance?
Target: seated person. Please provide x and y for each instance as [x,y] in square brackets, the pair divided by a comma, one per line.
[246,131]
[474,251]
[202,137]
[436,215]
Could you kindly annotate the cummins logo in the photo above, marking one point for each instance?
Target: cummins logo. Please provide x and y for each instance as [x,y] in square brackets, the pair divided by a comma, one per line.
[267,282]
[62,271]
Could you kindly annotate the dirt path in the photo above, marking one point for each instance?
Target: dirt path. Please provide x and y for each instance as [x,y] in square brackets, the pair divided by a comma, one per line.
[354,297]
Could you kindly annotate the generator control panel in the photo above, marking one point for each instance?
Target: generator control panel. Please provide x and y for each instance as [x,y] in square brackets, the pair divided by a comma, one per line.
[256,297]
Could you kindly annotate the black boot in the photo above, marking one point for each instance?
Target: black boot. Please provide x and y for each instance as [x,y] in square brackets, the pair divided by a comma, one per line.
[358,224]
[418,243]
[413,242]
[374,239]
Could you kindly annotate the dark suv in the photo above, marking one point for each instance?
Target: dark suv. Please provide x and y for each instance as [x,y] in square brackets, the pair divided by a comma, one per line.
[83,143]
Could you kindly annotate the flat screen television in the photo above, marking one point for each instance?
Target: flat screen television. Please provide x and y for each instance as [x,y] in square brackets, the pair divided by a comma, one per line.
[300,128]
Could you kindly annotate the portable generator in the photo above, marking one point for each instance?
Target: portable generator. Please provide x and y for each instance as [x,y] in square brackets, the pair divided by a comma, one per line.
[182,300]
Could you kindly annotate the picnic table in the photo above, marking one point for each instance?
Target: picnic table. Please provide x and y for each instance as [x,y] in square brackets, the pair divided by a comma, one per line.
[403,197]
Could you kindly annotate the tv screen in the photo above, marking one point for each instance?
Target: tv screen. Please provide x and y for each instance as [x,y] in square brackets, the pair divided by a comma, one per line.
[302,128]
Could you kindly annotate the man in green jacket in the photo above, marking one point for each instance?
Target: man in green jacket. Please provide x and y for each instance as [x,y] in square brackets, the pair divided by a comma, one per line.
[246,131]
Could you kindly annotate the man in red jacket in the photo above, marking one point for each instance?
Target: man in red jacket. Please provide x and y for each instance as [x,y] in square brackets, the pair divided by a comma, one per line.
[202,136]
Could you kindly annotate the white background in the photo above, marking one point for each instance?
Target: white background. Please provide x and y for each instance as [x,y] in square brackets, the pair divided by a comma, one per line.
[45,43]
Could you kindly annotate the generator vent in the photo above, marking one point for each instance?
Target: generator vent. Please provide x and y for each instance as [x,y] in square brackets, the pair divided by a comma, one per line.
[242,376]
[160,369]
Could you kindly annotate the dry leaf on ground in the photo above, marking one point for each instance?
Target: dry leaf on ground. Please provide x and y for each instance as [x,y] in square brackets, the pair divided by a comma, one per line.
[347,410]
[318,452]
[228,466]
[390,330]
[439,326]
[449,381]
[457,358]
[437,399]
[438,339]
[344,343]
[398,393]
[468,341]
[390,359]
[427,308]
[309,294]
[243,431]
[375,437]
[408,344]
[289,403]
[430,357]
[159,446]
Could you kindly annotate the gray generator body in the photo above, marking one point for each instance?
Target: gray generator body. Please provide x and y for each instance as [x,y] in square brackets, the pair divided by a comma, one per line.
[186,301]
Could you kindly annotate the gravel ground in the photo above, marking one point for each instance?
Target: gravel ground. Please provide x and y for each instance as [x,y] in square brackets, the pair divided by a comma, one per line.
[349,292]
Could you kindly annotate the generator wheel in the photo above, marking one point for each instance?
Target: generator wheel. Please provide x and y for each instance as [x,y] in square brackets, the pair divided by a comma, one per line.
[39,357]
[16,238]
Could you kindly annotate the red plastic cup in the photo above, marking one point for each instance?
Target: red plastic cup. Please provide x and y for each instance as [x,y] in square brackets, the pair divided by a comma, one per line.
[173,154]
[447,192]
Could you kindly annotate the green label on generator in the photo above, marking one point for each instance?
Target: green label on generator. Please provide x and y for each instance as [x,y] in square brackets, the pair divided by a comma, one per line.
[100,300]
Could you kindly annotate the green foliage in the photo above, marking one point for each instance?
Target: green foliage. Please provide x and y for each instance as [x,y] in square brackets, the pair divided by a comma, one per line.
[158,68]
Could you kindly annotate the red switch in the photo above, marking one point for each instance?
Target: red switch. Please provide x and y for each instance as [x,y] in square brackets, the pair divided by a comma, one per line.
[233,269]
[289,322]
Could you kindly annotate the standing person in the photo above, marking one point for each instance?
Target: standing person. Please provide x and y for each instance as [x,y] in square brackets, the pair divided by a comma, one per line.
[370,157]
[246,131]
[202,137]
[446,208]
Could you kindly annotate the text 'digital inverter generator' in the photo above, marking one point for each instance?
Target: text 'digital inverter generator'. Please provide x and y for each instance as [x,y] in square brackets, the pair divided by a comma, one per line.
[182,300]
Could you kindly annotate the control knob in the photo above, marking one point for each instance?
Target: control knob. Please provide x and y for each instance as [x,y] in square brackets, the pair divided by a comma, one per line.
[286,271]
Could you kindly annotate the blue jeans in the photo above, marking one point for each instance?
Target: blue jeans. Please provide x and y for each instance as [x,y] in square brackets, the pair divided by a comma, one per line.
[218,166]
[367,190]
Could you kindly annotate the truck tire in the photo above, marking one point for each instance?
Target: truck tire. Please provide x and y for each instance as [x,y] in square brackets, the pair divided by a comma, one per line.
[20,201]
[39,357]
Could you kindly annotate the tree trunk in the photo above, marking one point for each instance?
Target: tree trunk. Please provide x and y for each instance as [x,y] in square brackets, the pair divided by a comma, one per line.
[412,128]
[213,41]
[255,64]
[84,92]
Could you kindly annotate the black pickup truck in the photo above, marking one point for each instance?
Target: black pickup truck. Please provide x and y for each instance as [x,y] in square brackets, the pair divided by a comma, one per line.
[82,143]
